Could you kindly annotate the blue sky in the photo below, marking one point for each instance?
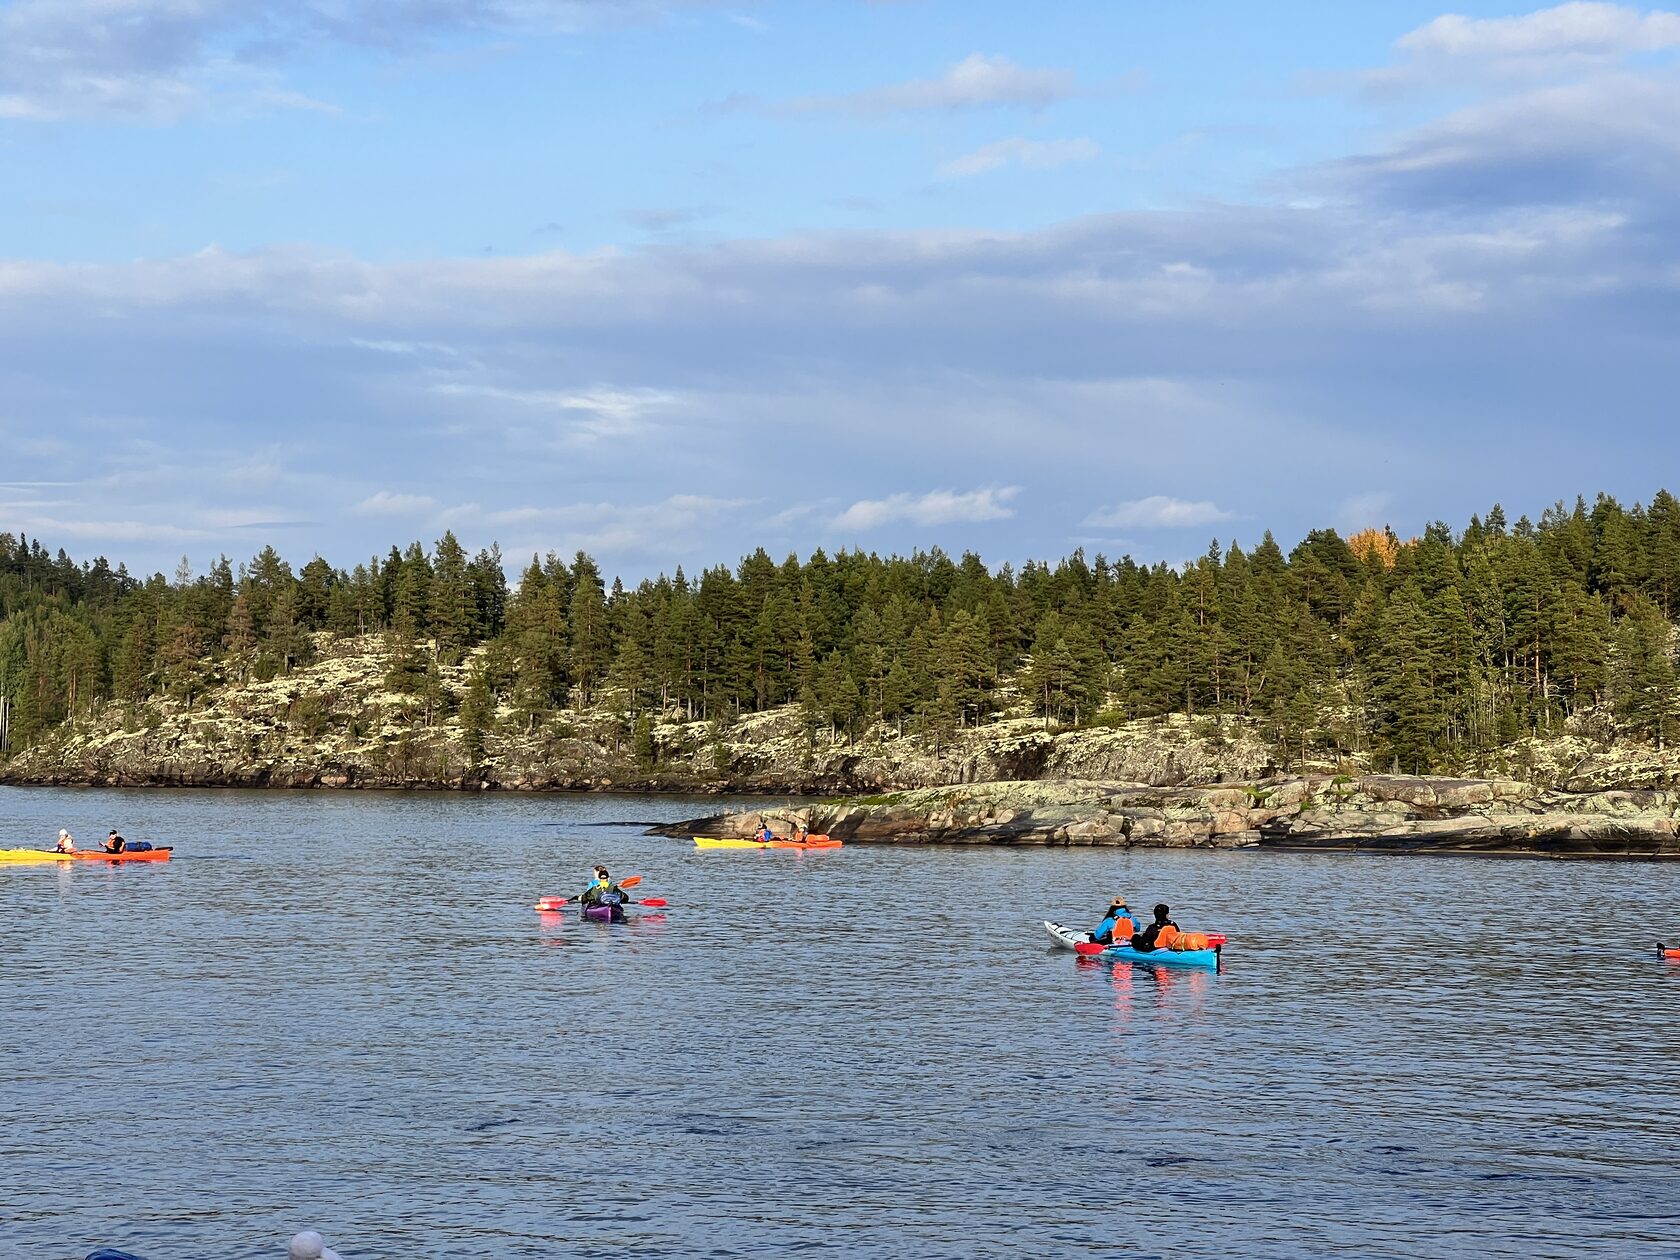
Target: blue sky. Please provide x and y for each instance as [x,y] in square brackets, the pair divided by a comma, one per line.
[668,281]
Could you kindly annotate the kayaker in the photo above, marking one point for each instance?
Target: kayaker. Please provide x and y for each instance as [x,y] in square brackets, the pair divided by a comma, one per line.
[603,892]
[1117,924]
[801,833]
[1159,934]
[766,835]
[114,843]
[66,842]
[591,896]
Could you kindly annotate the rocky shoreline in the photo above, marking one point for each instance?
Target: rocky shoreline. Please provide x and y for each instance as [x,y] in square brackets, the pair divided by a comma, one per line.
[1369,813]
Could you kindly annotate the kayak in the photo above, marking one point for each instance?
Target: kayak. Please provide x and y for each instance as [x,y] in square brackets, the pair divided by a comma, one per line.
[85,855]
[719,842]
[32,855]
[1068,938]
[160,854]
[1667,951]
[597,914]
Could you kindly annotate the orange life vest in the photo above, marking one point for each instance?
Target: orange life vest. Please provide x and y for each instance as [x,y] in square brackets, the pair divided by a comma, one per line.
[1191,940]
[1165,937]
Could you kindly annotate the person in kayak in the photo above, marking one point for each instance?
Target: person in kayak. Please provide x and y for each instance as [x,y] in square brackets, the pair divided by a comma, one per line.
[765,834]
[1159,934]
[66,842]
[603,892]
[801,833]
[114,843]
[1117,925]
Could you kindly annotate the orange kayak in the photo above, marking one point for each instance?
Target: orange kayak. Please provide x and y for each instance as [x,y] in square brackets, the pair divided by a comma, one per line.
[160,854]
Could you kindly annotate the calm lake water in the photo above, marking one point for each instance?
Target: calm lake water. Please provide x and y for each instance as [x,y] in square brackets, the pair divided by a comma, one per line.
[339,1011]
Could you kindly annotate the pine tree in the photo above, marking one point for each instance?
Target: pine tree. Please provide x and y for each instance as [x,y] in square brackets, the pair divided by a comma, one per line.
[591,644]
[451,606]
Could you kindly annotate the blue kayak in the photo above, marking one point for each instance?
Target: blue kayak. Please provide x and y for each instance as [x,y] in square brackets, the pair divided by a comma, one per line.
[1068,938]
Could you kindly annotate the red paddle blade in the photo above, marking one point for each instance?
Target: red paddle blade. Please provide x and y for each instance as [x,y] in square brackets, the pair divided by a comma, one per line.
[631,882]
[652,901]
[550,904]
[1087,949]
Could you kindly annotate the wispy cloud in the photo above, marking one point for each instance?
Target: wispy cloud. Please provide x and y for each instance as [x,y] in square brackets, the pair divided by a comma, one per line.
[661,528]
[159,60]
[1034,155]
[977,81]
[936,507]
[1158,511]
[588,415]
[1364,511]
[667,218]
[388,503]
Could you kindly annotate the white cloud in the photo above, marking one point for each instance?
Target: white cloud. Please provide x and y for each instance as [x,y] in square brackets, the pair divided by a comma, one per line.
[1554,44]
[1580,28]
[385,503]
[1159,511]
[936,507]
[975,81]
[1034,155]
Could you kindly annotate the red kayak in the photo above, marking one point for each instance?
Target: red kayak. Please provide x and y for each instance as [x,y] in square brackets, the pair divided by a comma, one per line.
[1667,951]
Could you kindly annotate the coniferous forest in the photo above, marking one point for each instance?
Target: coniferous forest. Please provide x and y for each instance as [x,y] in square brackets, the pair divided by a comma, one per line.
[1417,653]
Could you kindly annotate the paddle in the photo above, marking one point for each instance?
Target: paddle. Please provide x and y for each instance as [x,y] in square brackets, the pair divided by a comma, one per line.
[554,904]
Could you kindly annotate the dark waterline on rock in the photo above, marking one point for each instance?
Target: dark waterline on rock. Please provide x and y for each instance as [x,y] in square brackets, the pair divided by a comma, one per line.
[360,1025]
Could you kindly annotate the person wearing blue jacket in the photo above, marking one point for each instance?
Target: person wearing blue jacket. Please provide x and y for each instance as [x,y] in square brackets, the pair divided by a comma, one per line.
[1118,916]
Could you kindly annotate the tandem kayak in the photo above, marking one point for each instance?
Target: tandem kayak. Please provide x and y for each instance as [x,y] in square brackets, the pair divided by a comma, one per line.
[719,842]
[85,855]
[1068,938]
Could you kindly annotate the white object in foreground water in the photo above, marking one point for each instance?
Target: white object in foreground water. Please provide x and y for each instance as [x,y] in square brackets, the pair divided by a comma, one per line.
[308,1246]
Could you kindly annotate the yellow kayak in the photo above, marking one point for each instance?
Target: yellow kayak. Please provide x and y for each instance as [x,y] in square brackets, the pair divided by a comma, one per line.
[32,855]
[719,842]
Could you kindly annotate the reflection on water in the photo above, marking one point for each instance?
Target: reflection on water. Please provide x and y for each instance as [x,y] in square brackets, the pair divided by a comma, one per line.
[340,1010]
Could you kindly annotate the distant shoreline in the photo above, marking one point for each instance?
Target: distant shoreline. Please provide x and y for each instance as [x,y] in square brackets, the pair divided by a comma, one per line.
[1389,815]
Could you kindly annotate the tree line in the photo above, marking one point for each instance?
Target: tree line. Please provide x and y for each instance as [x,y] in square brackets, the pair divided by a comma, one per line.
[1423,653]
